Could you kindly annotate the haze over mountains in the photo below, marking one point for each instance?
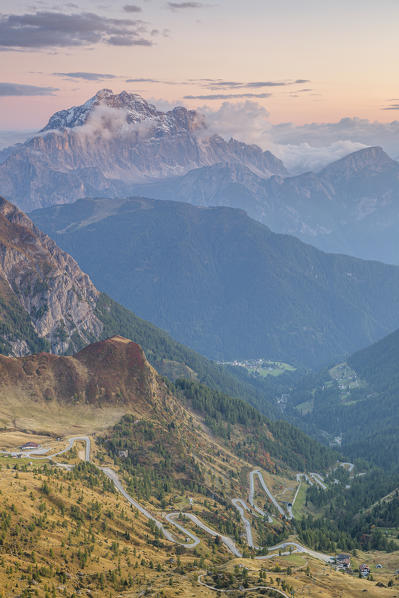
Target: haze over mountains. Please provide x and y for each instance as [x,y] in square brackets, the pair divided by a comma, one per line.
[225,284]
[351,206]
[116,145]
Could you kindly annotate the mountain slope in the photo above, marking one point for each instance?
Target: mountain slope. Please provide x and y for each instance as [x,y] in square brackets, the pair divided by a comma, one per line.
[224,284]
[352,206]
[150,498]
[115,373]
[357,401]
[48,303]
[45,294]
[111,142]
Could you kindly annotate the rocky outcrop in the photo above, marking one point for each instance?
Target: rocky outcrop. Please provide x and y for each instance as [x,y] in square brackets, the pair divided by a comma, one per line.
[112,142]
[58,298]
[110,372]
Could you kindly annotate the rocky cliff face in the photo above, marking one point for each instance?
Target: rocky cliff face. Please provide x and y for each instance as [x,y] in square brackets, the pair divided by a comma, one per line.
[46,287]
[113,141]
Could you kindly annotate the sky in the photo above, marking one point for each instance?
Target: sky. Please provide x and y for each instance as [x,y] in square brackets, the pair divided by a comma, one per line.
[312,73]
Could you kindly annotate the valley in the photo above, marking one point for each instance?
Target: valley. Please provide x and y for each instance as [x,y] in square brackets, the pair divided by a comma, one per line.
[194,400]
[170,490]
[225,285]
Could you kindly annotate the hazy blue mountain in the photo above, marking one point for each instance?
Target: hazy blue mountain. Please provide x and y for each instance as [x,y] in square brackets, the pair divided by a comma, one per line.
[225,284]
[352,206]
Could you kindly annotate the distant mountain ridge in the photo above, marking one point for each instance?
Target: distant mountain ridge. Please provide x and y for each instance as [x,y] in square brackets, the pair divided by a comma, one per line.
[111,142]
[351,206]
[225,284]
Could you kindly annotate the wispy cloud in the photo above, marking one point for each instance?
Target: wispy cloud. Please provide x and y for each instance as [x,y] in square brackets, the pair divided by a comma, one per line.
[215,84]
[132,8]
[86,76]
[391,107]
[228,96]
[149,80]
[45,29]
[18,89]
[184,5]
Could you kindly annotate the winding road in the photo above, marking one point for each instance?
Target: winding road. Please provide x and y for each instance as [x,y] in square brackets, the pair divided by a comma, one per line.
[259,475]
[319,480]
[242,507]
[326,558]
[191,539]
[202,583]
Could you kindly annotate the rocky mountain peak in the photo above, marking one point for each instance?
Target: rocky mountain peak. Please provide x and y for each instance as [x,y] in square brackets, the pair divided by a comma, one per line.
[112,142]
[13,215]
[136,107]
[46,284]
[374,159]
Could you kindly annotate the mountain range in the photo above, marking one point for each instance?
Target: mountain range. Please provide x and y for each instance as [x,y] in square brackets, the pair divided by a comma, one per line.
[225,284]
[111,142]
[119,145]
[351,206]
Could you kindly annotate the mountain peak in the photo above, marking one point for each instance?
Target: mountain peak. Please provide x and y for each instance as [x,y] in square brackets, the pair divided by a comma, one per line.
[371,158]
[114,141]
[136,107]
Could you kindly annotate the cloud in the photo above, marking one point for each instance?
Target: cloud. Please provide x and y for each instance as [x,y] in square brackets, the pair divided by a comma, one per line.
[144,80]
[355,129]
[183,5]
[392,107]
[228,96]
[86,76]
[109,123]
[17,89]
[164,105]
[132,8]
[307,147]
[45,29]
[150,80]
[215,84]
[305,157]
[9,138]
[246,121]
[127,40]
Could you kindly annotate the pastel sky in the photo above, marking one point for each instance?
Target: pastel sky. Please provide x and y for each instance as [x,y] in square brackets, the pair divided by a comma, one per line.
[302,61]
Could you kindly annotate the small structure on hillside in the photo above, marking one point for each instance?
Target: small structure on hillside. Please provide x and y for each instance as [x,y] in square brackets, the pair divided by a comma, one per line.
[364,570]
[343,561]
[29,445]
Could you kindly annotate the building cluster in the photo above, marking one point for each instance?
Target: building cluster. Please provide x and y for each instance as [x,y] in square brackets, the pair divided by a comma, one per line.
[343,561]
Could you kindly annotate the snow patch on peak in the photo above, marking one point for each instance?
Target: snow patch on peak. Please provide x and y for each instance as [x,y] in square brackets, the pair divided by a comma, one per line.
[135,109]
